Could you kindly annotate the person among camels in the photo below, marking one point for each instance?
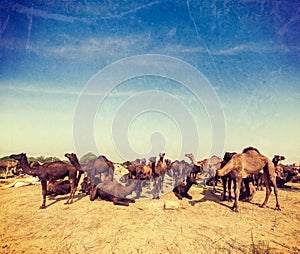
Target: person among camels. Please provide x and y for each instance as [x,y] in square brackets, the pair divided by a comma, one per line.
[251,161]
[49,171]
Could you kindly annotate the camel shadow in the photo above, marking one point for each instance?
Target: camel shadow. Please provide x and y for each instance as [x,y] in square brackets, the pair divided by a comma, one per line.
[209,195]
[56,199]
[290,188]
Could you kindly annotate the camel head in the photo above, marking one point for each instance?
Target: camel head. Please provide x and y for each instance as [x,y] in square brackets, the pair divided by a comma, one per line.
[152,159]
[18,157]
[227,157]
[278,158]
[72,157]
[162,155]
[189,155]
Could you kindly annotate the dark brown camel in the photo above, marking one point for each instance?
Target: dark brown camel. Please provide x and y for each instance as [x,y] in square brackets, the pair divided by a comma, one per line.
[247,163]
[285,173]
[114,192]
[181,189]
[59,187]
[86,185]
[227,179]
[277,158]
[49,172]
[198,165]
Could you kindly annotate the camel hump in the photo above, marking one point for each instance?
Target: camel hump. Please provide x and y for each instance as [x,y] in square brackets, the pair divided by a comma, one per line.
[250,148]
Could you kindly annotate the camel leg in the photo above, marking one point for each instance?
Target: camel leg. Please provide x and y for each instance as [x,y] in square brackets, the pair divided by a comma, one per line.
[117,201]
[178,195]
[237,194]
[162,183]
[224,180]
[73,190]
[268,190]
[44,193]
[229,188]
[93,193]
[273,181]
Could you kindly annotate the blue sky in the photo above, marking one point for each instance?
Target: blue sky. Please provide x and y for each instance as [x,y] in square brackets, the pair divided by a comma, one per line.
[247,50]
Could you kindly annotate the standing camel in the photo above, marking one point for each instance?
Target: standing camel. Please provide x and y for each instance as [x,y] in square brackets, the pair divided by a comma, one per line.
[49,172]
[227,179]
[198,165]
[250,161]
[8,165]
[95,167]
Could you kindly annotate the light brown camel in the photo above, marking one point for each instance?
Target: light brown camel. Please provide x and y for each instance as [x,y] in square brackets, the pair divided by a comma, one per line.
[48,172]
[159,172]
[95,167]
[250,162]
[8,165]
[114,192]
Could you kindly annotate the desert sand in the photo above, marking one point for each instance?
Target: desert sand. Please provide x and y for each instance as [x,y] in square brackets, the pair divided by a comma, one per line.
[204,224]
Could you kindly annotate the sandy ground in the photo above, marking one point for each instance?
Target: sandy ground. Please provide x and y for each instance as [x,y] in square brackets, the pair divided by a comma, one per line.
[203,225]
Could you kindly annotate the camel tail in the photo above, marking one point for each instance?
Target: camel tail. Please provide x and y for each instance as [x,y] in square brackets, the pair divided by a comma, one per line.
[225,170]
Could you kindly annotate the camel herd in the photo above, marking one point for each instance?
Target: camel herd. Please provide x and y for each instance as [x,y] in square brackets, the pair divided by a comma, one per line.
[243,169]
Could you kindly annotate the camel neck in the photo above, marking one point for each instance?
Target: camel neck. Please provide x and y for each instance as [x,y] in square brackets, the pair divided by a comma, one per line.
[188,186]
[25,166]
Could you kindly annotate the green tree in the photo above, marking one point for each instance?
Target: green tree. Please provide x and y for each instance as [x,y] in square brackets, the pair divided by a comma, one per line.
[85,158]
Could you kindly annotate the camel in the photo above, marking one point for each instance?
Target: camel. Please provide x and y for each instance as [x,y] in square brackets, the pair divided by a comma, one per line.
[48,172]
[95,167]
[180,170]
[258,178]
[59,187]
[86,185]
[181,189]
[277,158]
[198,165]
[250,161]
[7,166]
[114,191]
[159,172]
[207,167]
[227,179]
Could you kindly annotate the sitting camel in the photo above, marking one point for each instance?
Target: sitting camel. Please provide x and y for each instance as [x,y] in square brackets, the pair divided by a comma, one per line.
[86,185]
[114,191]
[59,187]
[48,172]
[181,189]
[251,161]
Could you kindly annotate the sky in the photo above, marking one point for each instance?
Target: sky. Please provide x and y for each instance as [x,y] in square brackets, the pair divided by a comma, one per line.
[131,79]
